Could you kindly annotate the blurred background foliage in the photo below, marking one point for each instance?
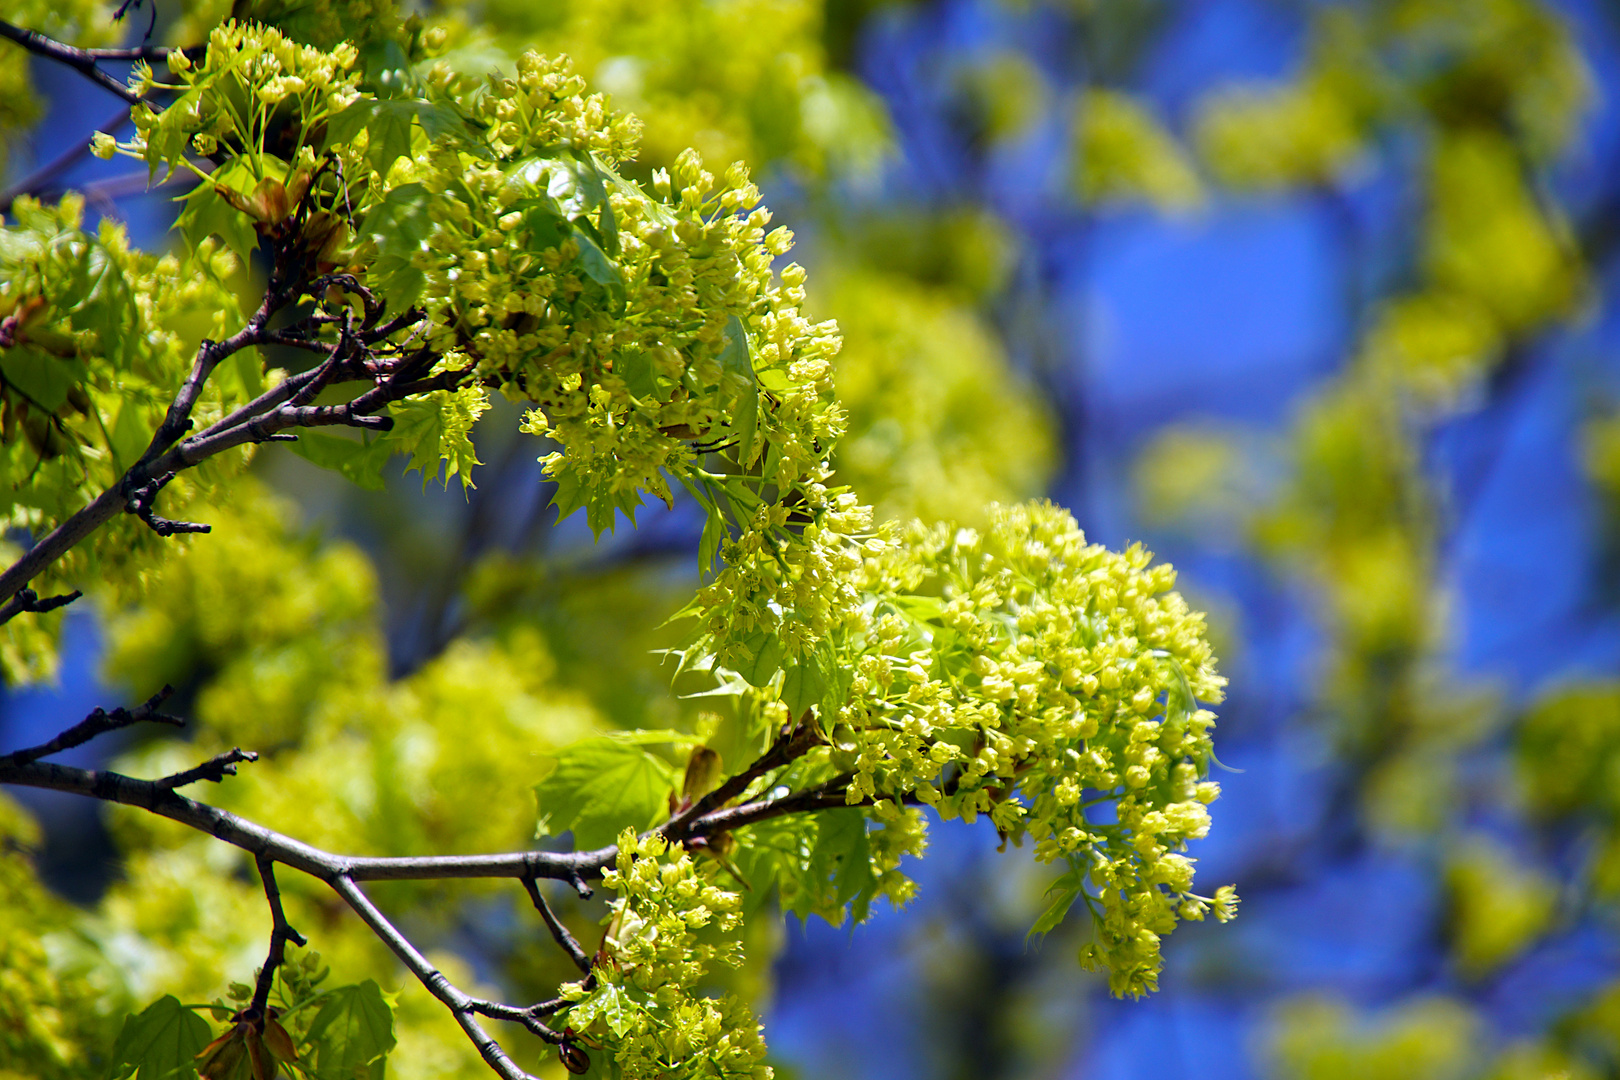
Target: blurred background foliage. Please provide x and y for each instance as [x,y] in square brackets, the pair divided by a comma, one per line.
[1314,297]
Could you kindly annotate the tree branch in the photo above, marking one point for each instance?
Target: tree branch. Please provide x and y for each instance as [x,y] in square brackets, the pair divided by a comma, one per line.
[62,539]
[81,60]
[460,1005]
[142,504]
[788,747]
[827,796]
[116,499]
[558,930]
[216,768]
[529,1017]
[159,461]
[264,419]
[99,722]
[343,872]
[177,420]
[281,932]
[28,600]
[256,839]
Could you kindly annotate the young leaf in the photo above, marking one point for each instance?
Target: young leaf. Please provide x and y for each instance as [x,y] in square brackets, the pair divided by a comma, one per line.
[598,267]
[387,125]
[764,659]
[44,378]
[159,1044]
[735,363]
[435,427]
[576,184]
[609,1004]
[360,462]
[351,1033]
[400,225]
[635,368]
[842,855]
[130,433]
[598,787]
[776,852]
[804,685]
[1065,890]
[209,213]
[714,534]
[730,683]
[745,425]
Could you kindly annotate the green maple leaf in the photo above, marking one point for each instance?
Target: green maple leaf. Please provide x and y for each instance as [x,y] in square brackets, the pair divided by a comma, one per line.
[599,787]
[160,1043]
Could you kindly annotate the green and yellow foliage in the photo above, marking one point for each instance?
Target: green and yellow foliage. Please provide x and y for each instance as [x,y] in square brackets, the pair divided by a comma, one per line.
[444,225]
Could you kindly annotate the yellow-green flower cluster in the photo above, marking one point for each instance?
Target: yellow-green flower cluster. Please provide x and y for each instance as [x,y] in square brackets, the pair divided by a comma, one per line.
[1021,673]
[545,107]
[649,331]
[323,23]
[626,360]
[642,1007]
[781,592]
[647,328]
[257,93]
[1030,676]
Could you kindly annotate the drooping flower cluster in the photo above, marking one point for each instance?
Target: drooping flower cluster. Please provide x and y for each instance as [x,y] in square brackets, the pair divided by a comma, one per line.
[1033,677]
[664,931]
[653,339]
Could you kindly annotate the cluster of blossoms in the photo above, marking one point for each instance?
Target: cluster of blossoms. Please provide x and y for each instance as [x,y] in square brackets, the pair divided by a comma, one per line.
[537,260]
[1030,676]
[256,93]
[641,1004]
[647,328]
[639,324]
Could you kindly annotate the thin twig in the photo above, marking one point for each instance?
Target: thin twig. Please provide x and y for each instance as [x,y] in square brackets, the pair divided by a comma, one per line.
[343,872]
[29,600]
[460,1005]
[790,746]
[216,768]
[827,796]
[81,60]
[573,867]
[141,504]
[157,460]
[99,722]
[558,930]
[528,1017]
[281,932]
[177,420]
